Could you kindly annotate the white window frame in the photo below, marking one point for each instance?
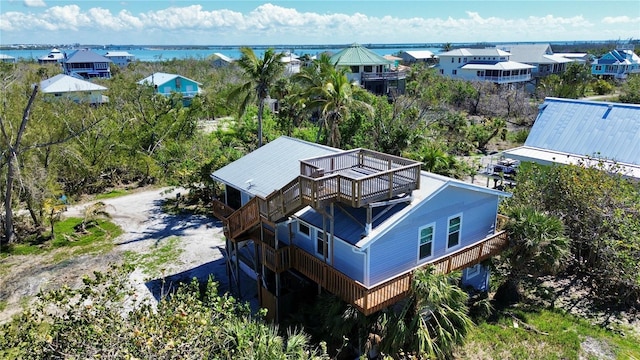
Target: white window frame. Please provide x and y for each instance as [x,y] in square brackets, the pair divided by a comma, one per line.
[433,236]
[300,223]
[474,271]
[449,232]
[316,234]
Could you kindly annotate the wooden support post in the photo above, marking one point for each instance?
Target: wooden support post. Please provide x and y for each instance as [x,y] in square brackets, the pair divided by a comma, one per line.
[238,270]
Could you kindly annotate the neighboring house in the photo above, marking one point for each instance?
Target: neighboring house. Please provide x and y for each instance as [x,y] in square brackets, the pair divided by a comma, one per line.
[291,63]
[7,59]
[618,63]
[419,56]
[357,223]
[580,58]
[540,56]
[167,84]
[55,56]
[120,58]
[370,70]
[220,60]
[396,62]
[570,131]
[86,64]
[489,64]
[64,86]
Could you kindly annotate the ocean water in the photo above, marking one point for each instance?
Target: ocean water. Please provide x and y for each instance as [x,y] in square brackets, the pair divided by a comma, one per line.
[151,54]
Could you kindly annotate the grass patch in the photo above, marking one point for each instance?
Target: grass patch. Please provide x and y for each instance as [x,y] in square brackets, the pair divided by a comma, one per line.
[153,263]
[112,194]
[560,337]
[95,240]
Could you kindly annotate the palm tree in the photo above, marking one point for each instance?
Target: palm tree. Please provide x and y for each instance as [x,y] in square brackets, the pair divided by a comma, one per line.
[334,97]
[433,320]
[537,246]
[261,74]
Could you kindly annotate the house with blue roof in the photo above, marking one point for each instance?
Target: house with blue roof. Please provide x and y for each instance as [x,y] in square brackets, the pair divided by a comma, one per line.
[167,84]
[86,64]
[357,224]
[618,63]
[590,133]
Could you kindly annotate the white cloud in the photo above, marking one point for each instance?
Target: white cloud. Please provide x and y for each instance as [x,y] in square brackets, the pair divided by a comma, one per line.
[621,20]
[34,3]
[271,24]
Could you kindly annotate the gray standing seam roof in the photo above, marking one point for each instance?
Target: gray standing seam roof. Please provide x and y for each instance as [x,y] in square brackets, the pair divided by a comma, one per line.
[270,167]
[86,56]
[588,128]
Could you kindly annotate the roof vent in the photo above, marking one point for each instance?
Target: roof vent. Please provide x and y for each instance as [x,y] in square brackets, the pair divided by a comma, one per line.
[606,113]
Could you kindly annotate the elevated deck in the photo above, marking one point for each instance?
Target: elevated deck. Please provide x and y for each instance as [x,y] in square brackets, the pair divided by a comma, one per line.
[356,178]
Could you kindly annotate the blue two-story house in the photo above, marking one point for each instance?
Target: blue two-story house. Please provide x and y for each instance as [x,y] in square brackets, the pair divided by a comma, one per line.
[86,64]
[167,84]
[355,223]
[618,63]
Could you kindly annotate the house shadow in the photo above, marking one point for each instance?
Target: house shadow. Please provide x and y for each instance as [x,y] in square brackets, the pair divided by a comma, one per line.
[217,271]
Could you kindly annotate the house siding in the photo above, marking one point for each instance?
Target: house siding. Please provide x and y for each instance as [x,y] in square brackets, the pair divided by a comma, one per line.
[345,259]
[186,87]
[397,251]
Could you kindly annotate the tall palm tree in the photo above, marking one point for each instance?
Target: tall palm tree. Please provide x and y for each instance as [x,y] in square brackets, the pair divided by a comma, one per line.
[433,320]
[537,246]
[261,74]
[334,97]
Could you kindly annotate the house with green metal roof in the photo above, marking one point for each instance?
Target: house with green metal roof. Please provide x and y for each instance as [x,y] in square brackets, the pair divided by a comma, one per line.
[300,217]
[370,70]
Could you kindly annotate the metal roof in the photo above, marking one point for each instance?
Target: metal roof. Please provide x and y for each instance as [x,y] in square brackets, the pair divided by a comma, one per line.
[420,54]
[351,228]
[117,53]
[476,52]
[533,54]
[588,128]
[358,55]
[86,56]
[270,167]
[64,83]
[160,78]
[502,65]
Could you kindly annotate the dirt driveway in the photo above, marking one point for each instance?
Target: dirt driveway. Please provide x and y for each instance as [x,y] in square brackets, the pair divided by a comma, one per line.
[198,239]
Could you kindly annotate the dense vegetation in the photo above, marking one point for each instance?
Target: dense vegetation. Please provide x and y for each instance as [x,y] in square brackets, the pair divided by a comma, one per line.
[569,220]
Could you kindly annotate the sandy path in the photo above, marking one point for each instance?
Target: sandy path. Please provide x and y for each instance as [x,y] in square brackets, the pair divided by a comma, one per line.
[146,227]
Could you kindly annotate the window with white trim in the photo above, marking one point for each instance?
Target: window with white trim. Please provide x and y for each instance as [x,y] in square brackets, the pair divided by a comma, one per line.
[322,246]
[425,242]
[453,233]
[304,229]
[473,271]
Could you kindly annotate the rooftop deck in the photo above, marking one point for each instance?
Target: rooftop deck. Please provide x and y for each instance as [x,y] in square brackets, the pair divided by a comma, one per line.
[356,178]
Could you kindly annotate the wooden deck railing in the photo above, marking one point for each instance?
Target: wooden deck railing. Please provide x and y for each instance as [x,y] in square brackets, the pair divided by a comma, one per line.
[221,210]
[243,219]
[370,300]
[357,178]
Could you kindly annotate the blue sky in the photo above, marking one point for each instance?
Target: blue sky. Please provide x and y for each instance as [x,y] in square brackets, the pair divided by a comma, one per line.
[243,22]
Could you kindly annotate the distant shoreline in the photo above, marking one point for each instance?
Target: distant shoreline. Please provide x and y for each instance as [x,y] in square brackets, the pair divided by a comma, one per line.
[297,46]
